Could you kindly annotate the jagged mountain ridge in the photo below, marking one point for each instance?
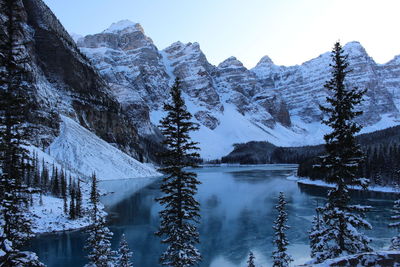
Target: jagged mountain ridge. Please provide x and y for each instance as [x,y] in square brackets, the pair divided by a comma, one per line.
[302,86]
[233,104]
[119,92]
[64,82]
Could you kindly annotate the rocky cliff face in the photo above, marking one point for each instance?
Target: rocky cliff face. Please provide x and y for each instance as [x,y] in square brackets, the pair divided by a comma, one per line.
[117,81]
[65,82]
[233,104]
[302,87]
[140,76]
[133,68]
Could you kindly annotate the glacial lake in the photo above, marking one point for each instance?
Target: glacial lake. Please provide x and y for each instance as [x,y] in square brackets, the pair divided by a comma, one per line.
[237,208]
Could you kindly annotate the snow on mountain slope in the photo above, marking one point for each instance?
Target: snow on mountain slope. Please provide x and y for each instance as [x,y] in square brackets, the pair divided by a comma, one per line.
[231,103]
[123,25]
[235,128]
[302,86]
[81,150]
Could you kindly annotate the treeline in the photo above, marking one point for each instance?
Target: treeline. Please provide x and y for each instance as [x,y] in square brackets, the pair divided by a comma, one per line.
[380,164]
[54,182]
[258,152]
[381,153]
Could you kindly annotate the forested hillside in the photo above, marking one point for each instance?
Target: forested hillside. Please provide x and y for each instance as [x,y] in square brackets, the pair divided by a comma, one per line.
[381,150]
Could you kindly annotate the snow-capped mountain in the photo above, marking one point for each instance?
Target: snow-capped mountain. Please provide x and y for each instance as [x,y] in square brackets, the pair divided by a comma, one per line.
[302,86]
[233,104]
[134,69]
[116,82]
[64,82]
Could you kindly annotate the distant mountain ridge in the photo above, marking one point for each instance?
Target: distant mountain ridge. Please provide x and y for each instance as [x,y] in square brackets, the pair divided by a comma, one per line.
[114,83]
[63,82]
[233,104]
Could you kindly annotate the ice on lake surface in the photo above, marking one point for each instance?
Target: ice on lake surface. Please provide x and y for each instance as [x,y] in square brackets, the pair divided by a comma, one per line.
[237,207]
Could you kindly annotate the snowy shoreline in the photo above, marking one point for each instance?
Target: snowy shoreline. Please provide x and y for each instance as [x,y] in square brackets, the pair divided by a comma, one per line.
[320,183]
[80,153]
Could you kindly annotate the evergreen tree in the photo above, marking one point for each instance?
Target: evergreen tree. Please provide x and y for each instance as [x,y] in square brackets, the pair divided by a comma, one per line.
[72,209]
[94,196]
[78,202]
[340,220]
[250,261]
[36,173]
[315,232]
[55,183]
[63,181]
[124,254]
[99,240]
[181,213]
[378,178]
[44,177]
[15,226]
[280,256]
[99,245]
[395,242]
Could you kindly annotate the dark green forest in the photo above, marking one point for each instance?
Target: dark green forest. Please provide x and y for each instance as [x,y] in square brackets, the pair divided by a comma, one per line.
[381,156]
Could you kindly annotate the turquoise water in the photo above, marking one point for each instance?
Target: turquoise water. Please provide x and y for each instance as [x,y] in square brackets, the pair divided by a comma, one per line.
[237,207]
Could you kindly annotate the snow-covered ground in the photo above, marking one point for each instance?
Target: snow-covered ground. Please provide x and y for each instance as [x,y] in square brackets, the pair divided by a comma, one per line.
[80,153]
[83,152]
[378,258]
[235,127]
[50,216]
[374,188]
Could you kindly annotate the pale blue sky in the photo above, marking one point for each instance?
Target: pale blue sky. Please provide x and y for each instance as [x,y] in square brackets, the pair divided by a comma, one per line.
[288,31]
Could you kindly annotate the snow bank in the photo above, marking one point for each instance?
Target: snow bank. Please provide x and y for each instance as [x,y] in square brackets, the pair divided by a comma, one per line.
[50,216]
[379,258]
[81,151]
[375,188]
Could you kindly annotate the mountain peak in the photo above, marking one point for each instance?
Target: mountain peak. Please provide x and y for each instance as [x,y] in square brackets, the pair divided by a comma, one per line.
[75,36]
[354,48]
[125,26]
[265,60]
[230,62]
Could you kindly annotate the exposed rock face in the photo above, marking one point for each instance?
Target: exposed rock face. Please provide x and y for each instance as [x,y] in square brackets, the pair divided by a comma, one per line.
[120,98]
[242,88]
[274,103]
[133,68]
[302,86]
[191,66]
[140,77]
[66,83]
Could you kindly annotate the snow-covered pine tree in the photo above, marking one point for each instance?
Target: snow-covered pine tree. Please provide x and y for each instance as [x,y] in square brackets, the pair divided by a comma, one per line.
[378,179]
[181,212]
[44,177]
[78,202]
[63,181]
[99,241]
[15,226]
[94,196]
[395,242]
[55,183]
[124,254]
[315,232]
[36,171]
[338,234]
[72,209]
[250,261]
[280,257]
[99,245]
